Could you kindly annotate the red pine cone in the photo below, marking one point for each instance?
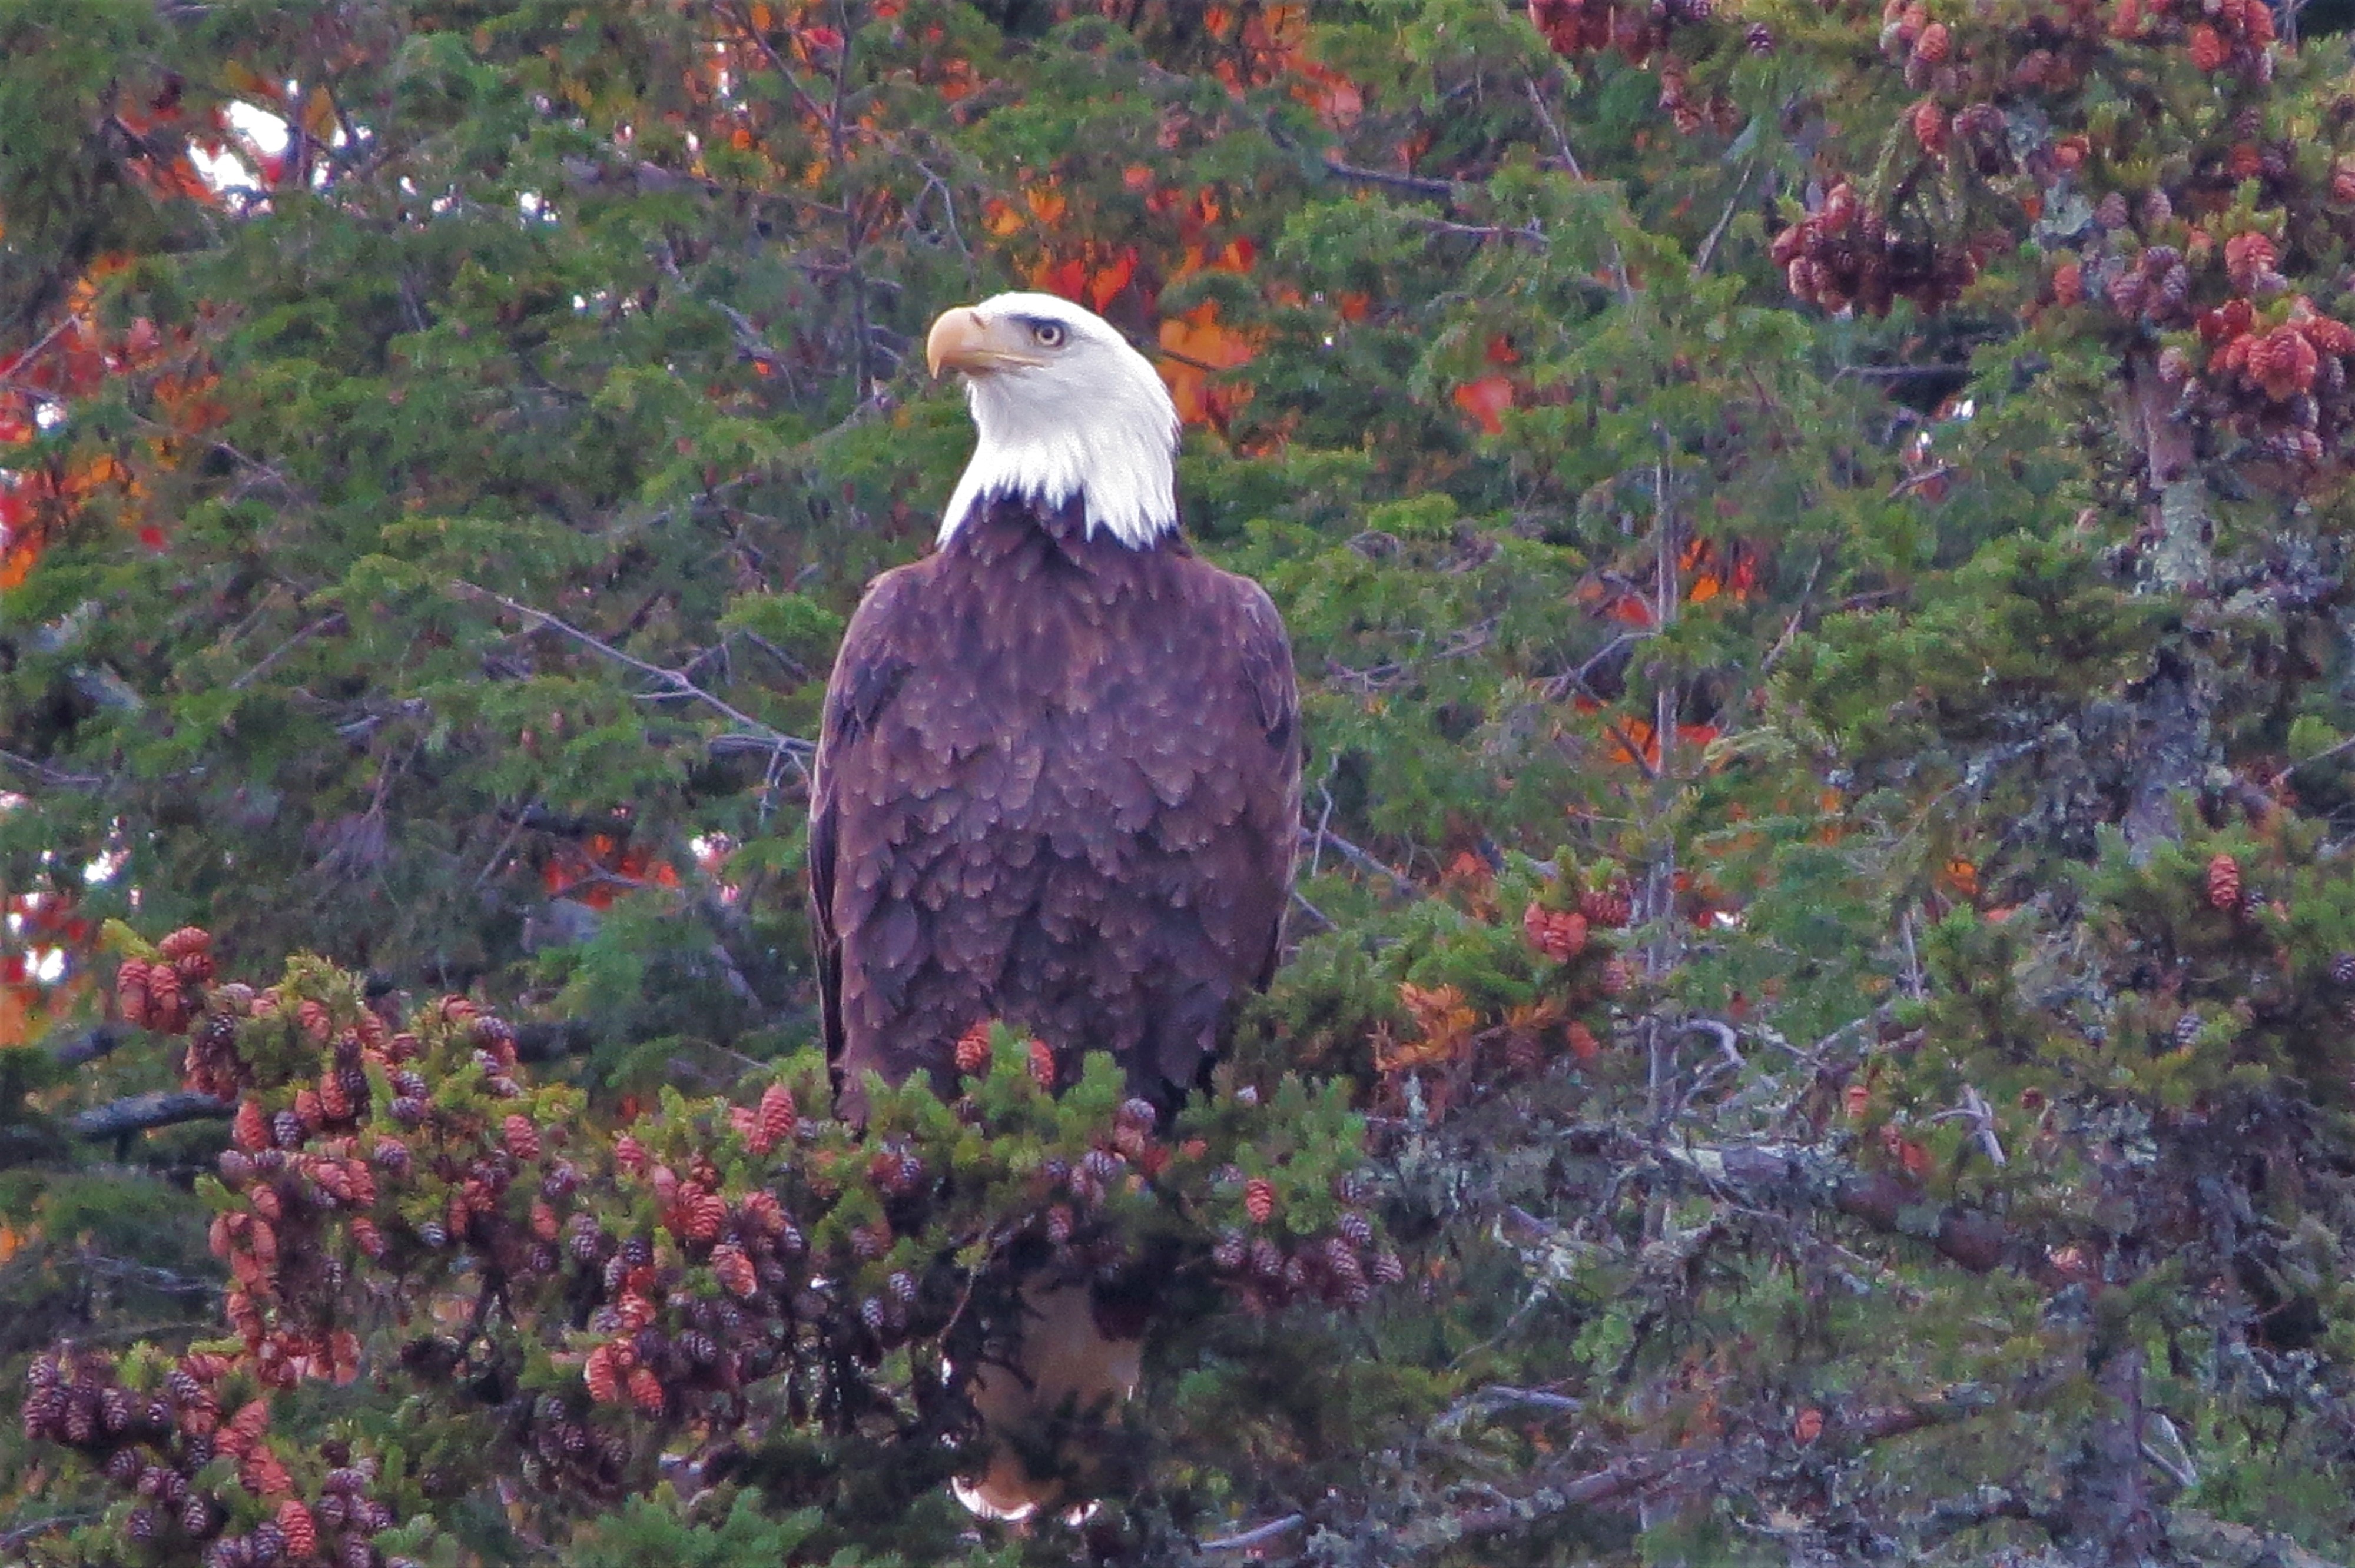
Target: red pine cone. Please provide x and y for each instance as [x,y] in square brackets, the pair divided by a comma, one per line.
[763,1213]
[1259,1199]
[2208,50]
[1042,1064]
[251,1129]
[2328,336]
[367,1237]
[2249,255]
[734,1270]
[1582,1043]
[2283,362]
[604,1383]
[646,1391]
[1558,934]
[630,1155]
[1930,127]
[521,1136]
[1935,44]
[187,942]
[261,1474]
[131,992]
[973,1050]
[2224,883]
[776,1118]
[1609,907]
[700,1213]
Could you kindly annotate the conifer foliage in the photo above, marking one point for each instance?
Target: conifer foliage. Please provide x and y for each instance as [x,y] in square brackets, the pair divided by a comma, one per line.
[1819,1023]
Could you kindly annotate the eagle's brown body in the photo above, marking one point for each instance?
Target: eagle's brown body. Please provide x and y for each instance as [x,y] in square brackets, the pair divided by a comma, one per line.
[1057,784]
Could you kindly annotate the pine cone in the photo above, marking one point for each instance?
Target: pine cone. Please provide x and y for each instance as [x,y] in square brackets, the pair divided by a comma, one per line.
[130,998]
[521,1136]
[2223,883]
[300,1530]
[1259,1199]
[1929,122]
[734,1270]
[1557,934]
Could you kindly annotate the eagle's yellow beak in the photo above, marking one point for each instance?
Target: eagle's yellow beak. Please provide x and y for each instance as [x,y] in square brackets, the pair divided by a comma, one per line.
[964,339]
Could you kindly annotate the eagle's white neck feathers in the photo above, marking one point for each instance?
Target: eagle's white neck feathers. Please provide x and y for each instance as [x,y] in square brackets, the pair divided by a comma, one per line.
[1093,420]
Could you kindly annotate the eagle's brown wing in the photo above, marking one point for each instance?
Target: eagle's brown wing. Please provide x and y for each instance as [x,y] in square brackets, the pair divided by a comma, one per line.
[1267,662]
[867,672]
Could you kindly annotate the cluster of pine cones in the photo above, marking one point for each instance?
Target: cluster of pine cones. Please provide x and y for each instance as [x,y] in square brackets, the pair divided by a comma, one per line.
[1842,254]
[153,1444]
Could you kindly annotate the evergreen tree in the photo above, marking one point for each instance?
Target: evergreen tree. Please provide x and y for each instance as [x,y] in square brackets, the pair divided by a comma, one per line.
[1820,1024]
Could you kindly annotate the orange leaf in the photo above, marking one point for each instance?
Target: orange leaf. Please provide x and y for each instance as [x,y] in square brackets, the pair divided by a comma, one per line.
[1485,400]
[319,114]
[242,77]
[1068,278]
[1110,280]
[1047,204]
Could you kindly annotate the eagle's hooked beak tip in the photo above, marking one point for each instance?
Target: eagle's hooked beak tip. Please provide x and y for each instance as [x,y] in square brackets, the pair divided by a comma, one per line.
[959,340]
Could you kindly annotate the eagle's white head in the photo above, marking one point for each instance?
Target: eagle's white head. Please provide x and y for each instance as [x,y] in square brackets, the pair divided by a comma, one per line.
[1063,405]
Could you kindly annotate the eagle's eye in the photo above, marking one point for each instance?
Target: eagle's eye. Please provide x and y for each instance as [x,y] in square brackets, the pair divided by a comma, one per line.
[1048,334]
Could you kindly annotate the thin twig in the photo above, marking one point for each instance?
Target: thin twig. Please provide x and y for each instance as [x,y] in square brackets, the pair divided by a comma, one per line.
[1256,1536]
[1915,481]
[2323,756]
[1531,233]
[1553,129]
[671,679]
[1362,860]
[325,623]
[1709,246]
[56,777]
[11,1540]
[1324,921]
[1414,185]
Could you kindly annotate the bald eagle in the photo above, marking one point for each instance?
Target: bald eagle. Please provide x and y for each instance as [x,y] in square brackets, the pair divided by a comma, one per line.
[1057,781]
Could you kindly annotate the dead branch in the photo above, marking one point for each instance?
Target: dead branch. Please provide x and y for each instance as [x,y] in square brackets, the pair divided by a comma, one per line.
[139,1113]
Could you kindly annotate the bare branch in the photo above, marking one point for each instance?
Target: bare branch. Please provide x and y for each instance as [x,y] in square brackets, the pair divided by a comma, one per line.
[1316,838]
[1530,234]
[87,1045]
[670,680]
[1413,185]
[56,777]
[325,623]
[1257,1536]
[138,1113]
